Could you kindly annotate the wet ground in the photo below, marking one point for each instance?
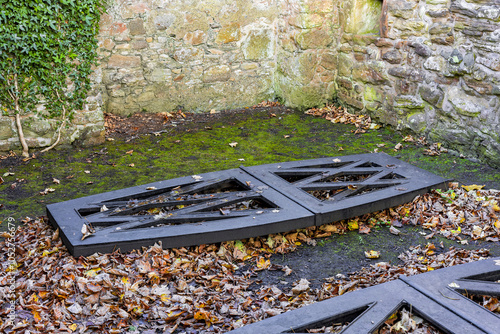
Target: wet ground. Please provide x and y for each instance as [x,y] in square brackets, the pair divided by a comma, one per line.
[148,148]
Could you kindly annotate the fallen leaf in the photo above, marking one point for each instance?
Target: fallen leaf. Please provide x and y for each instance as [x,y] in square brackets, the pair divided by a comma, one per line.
[75,308]
[473,187]
[56,181]
[302,286]
[263,263]
[353,225]
[364,229]
[233,144]
[394,230]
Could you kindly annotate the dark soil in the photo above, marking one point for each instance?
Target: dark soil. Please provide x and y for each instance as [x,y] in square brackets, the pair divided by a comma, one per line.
[178,144]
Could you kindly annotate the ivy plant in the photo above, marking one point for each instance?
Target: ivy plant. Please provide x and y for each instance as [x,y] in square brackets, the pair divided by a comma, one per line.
[47,51]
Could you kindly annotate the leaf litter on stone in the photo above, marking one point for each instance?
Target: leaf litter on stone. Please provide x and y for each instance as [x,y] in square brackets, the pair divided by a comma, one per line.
[202,289]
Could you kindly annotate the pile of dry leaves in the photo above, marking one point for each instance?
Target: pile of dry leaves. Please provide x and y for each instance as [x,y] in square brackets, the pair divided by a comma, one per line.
[202,289]
[339,114]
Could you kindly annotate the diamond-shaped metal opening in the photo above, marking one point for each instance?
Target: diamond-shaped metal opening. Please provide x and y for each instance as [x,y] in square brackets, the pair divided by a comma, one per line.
[224,186]
[328,325]
[369,189]
[368,164]
[488,285]
[347,177]
[407,319]
[491,303]
[242,205]
[327,165]
[293,177]
[392,176]
[326,195]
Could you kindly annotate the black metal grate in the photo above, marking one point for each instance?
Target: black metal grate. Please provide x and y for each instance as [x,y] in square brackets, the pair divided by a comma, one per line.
[434,296]
[238,203]
[345,187]
[192,210]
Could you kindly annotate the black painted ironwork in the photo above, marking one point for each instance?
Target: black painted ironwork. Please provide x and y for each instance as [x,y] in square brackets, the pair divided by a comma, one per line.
[436,296]
[349,186]
[238,203]
[193,210]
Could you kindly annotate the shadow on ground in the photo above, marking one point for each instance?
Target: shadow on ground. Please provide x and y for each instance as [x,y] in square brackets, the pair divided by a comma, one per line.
[156,150]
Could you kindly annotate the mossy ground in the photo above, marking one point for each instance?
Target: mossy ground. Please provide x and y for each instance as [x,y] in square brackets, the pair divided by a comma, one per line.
[266,135]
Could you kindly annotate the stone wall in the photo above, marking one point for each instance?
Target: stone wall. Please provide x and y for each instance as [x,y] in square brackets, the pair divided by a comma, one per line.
[85,128]
[197,55]
[432,66]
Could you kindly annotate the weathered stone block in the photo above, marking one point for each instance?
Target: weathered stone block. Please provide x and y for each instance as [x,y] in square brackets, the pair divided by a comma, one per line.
[160,75]
[459,8]
[195,37]
[119,61]
[314,39]
[184,55]
[316,6]
[138,45]
[408,73]
[432,94]
[345,83]
[402,9]
[258,45]
[306,21]
[345,65]
[6,126]
[329,61]
[392,56]
[421,49]
[489,12]
[408,26]
[35,127]
[440,28]
[444,12]
[408,102]
[92,135]
[384,42]
[480,87]
[417,122]
[372,94]
[466,105]
[437,63]
[362,17]
[136,27]
[164,21]
[492,61]
[370,72]
[217,73]
[352,101]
